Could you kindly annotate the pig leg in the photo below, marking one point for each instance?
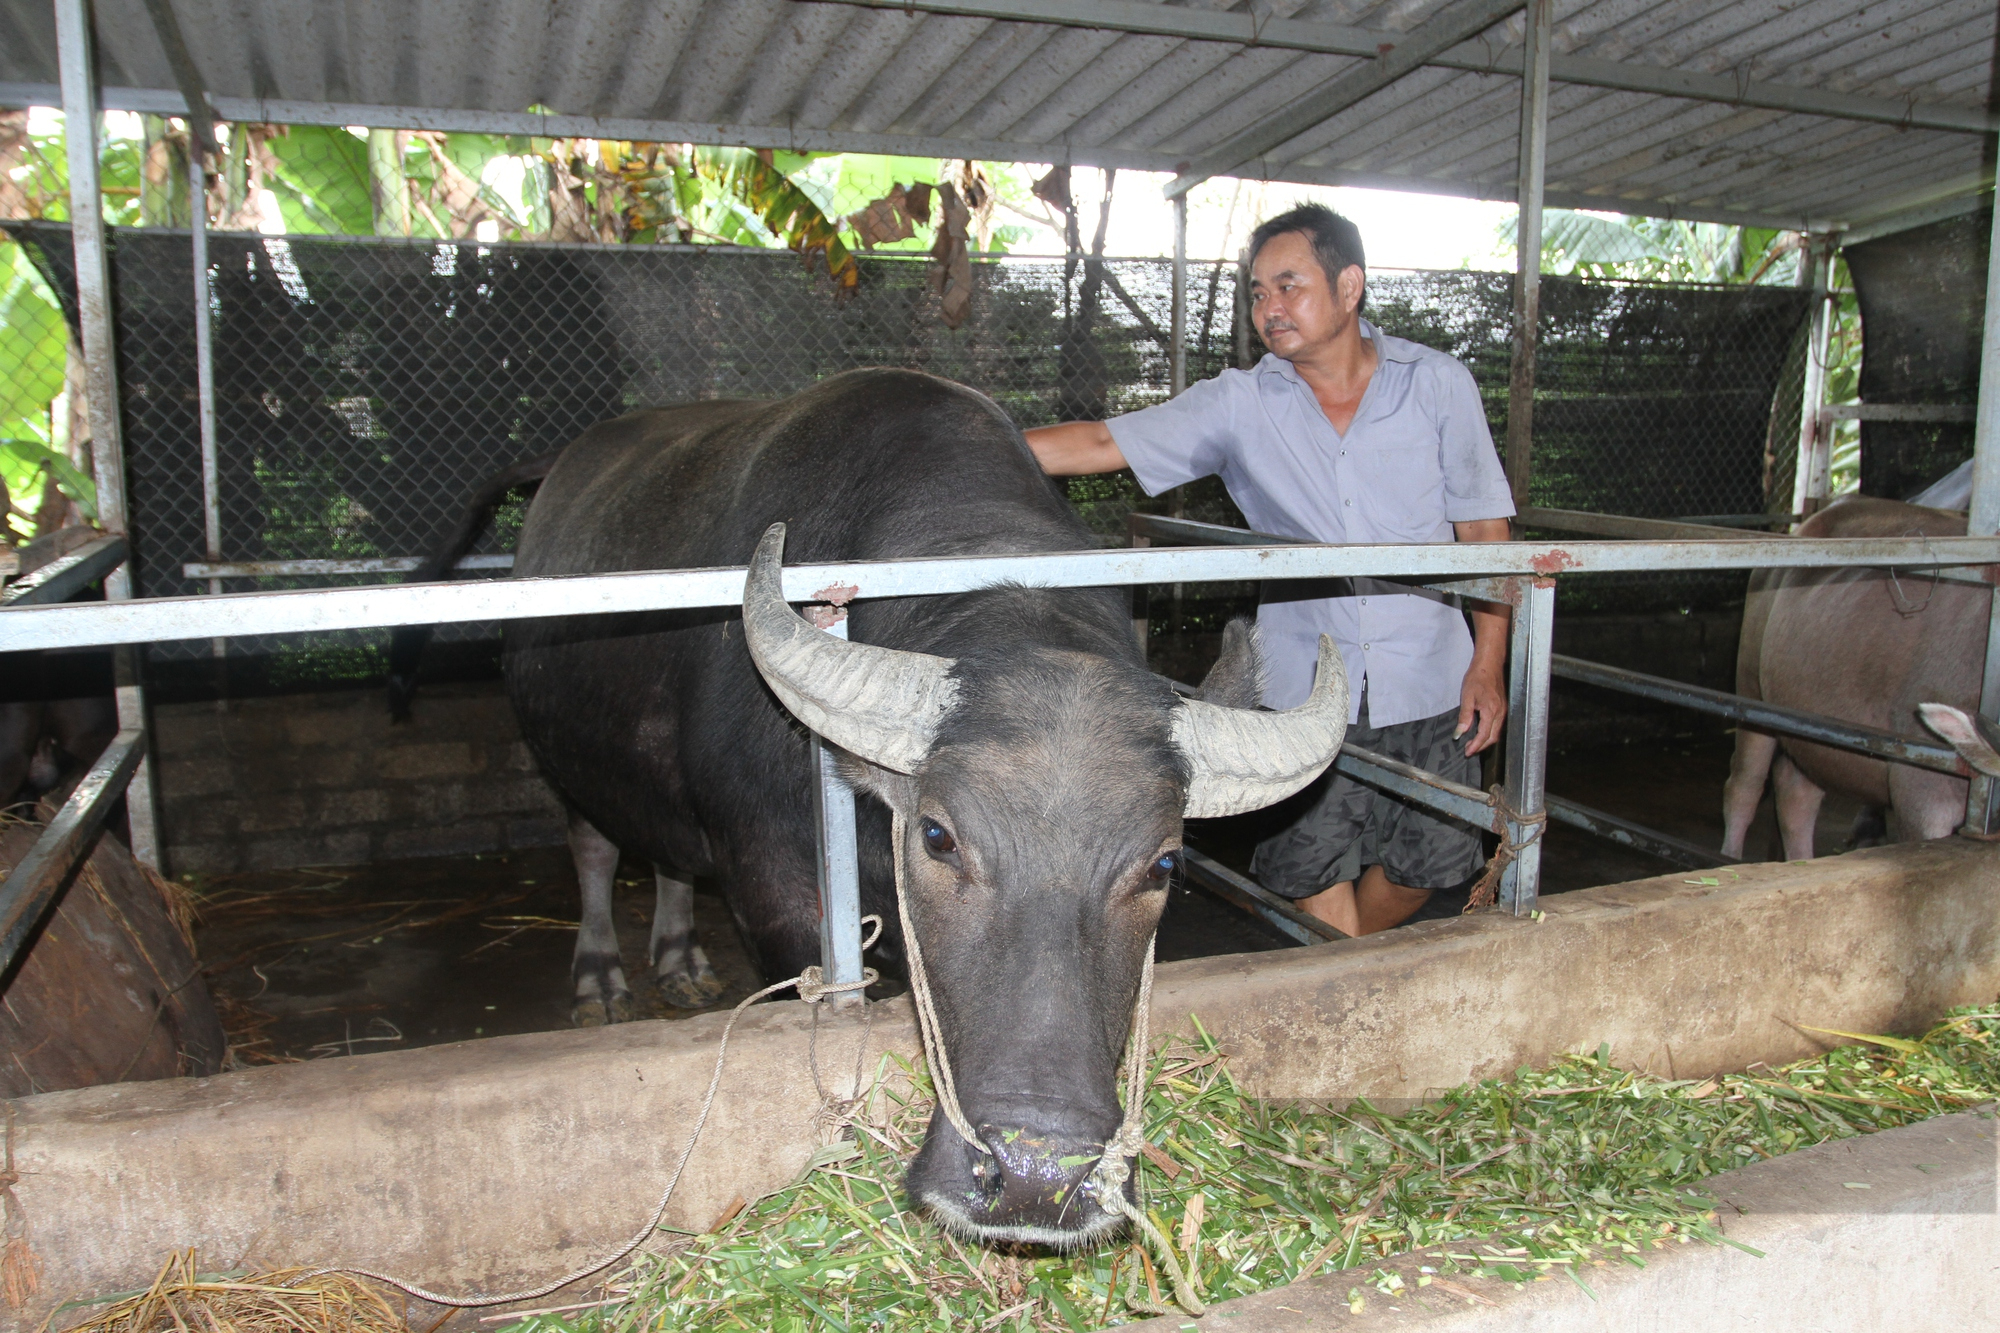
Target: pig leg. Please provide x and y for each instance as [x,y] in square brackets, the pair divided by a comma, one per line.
[1923,804]
[1798,807]
[601,993]
[1748,768]
[679,964]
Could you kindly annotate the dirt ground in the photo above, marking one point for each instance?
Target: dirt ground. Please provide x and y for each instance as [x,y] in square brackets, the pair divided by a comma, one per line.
[311,964]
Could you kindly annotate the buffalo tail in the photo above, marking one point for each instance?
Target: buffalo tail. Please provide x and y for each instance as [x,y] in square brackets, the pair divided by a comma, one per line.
[406,644]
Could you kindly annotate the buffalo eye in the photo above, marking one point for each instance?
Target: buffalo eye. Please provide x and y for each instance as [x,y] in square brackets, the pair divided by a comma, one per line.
[936,839]
[1162,869]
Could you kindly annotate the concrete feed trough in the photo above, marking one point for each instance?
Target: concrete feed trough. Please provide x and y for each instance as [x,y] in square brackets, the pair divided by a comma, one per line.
[486,1163]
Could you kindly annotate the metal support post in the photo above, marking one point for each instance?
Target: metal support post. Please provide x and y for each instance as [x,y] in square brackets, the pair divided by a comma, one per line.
[1528,244]
[1242,321]
[204,370]
[839,869]
[1177,357]
[1982,806]
[1812,476]
[1532,643]
[1142,627]
[76,61]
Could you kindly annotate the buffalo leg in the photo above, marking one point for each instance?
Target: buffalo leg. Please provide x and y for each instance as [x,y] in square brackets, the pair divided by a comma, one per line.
[1798,808]
[679,965]
[1748,767]
[601,993]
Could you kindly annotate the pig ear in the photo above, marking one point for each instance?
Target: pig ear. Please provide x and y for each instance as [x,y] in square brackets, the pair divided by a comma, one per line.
[1976,740]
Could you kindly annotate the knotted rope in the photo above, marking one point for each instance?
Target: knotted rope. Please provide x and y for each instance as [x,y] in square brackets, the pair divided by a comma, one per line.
[1486,888]
[1107,1181]
[812,989]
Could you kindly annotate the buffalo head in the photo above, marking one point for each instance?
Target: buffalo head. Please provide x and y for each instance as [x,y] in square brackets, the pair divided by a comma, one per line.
[1038,792]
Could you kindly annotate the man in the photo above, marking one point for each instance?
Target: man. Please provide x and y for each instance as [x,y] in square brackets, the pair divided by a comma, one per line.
[1343,434]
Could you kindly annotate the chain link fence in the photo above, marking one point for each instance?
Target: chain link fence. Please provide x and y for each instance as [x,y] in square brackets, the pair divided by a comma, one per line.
[365,384]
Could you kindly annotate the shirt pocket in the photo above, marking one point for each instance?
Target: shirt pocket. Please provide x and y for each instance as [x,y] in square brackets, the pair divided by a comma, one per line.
[1400,490]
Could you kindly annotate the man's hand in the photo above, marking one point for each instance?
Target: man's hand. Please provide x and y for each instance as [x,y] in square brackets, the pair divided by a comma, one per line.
[1075,448]
[1482,701]
[1482,707]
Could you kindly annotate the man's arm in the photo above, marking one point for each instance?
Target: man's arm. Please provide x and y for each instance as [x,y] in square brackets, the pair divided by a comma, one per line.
[1483,700]
[1075,448]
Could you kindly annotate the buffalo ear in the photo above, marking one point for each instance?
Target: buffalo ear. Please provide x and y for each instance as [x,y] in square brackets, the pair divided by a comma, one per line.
[896,790]
[1237,678]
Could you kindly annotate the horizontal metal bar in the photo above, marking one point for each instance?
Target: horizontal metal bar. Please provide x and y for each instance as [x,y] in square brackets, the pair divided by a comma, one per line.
[387,564]
[1624,525]
[1413,784]
[1220,881]
[65,577]
[1189,532]
[1636,836]
[1898,412]
[34,884]
[1792,722]
[1740,520]
[150,620]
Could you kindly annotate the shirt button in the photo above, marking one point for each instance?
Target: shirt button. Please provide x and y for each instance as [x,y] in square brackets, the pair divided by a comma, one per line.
[1364,601]
[1348,503]
[1367,647]
[1343,453]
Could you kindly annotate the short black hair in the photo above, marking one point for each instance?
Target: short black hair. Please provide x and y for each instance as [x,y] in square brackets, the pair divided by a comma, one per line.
[1336,242]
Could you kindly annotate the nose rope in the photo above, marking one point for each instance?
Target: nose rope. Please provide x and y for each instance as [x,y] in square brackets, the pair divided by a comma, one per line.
[927,1020]
[1114,1167]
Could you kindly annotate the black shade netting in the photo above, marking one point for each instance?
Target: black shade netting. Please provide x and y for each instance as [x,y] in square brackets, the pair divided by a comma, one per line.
[364,387]
[1923,304]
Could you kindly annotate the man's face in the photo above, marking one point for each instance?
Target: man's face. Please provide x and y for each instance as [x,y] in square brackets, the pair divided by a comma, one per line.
[1296,309]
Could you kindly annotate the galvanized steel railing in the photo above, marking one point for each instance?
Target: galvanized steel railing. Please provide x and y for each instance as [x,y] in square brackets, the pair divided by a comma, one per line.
[1521,574]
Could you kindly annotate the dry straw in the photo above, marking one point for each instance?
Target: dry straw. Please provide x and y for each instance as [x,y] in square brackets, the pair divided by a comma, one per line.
[182,1300]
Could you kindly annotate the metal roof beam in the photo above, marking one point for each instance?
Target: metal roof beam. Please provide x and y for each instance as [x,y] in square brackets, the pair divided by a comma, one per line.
[244,110]
[200,120]
[1411,50]
[1141,16]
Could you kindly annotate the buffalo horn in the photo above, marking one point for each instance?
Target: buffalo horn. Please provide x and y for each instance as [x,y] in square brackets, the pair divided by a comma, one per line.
[880,704]
[1244,759]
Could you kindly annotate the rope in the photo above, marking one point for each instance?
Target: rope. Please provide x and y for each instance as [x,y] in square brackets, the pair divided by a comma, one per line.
[1114,1167]
[811,989]
[927,1020]
[1486,888]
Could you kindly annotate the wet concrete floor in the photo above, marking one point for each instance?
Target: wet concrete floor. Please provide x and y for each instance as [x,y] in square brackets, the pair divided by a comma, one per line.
[310,964]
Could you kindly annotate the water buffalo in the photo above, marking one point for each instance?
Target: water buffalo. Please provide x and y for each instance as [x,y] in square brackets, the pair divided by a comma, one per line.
[1867,647]
[1039,773]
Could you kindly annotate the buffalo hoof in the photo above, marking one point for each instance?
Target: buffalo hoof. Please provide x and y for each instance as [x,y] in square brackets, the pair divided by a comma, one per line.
[694,990]
[594,1012]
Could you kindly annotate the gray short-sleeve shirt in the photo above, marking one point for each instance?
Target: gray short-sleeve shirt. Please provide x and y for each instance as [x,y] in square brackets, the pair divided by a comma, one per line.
[1416,459]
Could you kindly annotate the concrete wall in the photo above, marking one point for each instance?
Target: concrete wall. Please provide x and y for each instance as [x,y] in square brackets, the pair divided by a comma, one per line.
[513,1158]
[324,779]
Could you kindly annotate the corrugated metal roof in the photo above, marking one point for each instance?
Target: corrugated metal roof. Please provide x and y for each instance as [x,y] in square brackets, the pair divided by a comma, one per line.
[829,75]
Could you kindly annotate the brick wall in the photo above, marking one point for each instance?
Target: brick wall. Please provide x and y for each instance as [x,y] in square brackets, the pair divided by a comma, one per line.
[324,779]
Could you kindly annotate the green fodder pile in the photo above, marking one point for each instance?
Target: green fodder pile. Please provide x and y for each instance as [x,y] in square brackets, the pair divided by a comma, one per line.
[1516,1178]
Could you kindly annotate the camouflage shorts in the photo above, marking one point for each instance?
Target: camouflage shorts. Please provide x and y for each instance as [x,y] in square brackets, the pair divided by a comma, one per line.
[1349,826]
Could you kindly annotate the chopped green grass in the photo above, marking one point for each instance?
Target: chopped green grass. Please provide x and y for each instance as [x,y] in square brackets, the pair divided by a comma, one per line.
[1515,1178]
